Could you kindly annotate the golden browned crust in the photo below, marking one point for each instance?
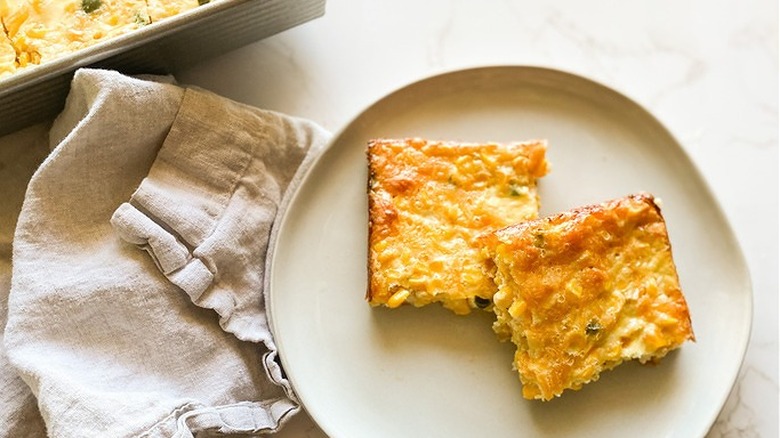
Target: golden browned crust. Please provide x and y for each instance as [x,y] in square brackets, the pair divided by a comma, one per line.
[582,291]
[428,201]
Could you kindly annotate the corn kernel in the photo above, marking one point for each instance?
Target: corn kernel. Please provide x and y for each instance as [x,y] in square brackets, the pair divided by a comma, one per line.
[517,308]
[398,298]
[386,256]
[502,299]
[380,246]
[417,282]
[665,320]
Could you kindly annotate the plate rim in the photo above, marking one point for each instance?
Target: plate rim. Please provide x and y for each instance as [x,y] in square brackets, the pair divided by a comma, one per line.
[308,167]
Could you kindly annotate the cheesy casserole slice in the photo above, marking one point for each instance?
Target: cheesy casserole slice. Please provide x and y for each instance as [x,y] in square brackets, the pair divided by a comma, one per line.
[585,290]
[428,201]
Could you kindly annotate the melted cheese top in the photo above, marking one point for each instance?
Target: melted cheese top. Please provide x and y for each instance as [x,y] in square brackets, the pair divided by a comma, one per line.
[582,291]
[43,30]
[160,9]
[427,203]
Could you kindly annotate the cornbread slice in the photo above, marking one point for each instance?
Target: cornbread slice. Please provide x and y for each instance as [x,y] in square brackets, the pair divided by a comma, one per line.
[428,201]
[585,290]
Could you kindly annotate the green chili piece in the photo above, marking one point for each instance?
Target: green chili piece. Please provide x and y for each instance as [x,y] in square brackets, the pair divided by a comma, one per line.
[90,6]
[539,240]
[593,327]
[140,19]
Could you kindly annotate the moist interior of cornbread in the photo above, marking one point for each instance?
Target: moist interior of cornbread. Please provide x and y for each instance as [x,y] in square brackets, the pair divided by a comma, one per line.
[429,201]
[585,290]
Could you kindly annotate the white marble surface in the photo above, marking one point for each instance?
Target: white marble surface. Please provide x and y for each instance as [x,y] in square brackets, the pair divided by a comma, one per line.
[707,69]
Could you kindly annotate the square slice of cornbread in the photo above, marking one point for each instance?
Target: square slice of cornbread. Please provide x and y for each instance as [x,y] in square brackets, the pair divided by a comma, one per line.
[428,201]
[582,291]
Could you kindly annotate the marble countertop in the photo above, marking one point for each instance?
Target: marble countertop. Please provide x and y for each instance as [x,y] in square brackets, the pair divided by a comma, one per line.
[707,70]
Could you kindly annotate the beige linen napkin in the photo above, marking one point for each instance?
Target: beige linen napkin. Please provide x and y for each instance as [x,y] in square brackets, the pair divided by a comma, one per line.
[20,154]
[136,304]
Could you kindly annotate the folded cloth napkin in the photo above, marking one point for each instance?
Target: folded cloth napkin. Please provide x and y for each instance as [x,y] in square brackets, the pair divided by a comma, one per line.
[136,305]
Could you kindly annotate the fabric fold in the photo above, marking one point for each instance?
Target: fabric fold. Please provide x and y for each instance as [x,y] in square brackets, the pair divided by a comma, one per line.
[221,201]
[134,227]
[151,214]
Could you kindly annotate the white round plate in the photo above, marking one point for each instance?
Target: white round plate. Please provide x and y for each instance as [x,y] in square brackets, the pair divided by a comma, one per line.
[408,372]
